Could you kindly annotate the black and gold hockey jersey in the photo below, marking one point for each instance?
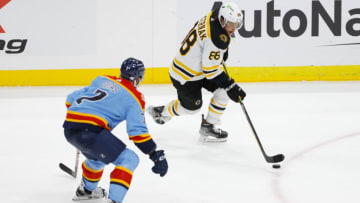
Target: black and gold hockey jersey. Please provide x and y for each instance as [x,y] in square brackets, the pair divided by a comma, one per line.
[201,52]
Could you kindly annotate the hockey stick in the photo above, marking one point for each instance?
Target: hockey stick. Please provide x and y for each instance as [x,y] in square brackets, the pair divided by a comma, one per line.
[67,170]
[270,159]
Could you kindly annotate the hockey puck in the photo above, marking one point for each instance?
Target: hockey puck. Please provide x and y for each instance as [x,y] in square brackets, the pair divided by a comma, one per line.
[276,166]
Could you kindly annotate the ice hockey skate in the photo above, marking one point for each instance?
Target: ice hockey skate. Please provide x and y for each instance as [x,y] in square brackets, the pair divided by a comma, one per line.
[209,133]
[156,113]
[110,201]
[84,194]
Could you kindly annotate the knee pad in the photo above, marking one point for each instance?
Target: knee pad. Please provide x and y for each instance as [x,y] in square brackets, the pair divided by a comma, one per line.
[128,159]
[94,164]
[191,111]
[175,108]
[221,97]
[191,104]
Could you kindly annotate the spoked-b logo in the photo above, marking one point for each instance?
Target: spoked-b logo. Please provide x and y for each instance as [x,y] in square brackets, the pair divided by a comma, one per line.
[12,46]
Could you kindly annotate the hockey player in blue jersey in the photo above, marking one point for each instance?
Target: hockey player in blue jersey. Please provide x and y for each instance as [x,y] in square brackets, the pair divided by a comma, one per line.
[93,112]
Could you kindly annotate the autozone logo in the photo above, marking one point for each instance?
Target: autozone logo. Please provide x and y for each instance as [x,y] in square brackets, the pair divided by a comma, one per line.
[333,19]
[2,4]
[13,46]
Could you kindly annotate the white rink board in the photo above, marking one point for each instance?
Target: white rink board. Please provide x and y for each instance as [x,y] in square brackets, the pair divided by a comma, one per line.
[100,34]
[86,34]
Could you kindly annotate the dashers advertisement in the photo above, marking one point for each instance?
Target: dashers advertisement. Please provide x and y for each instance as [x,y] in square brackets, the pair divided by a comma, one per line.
[47,28]
[287,33]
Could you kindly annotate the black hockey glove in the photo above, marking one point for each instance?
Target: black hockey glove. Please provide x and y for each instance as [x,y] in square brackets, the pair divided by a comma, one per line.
[234,91]
[159,159]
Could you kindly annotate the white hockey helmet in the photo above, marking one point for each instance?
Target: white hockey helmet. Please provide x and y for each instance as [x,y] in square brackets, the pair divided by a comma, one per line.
[230,12]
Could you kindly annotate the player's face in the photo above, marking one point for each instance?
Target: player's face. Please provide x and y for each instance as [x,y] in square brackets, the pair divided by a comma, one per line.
[231,27]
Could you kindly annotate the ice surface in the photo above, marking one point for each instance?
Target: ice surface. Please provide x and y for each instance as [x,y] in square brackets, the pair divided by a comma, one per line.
[315,124]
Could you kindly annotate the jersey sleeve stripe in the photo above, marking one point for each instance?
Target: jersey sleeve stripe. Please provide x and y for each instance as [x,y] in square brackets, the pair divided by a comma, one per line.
[212,75]
[211,68]
[77,117]
[182,70]
[140,138]
[179,73]
[209,72]
[178,63]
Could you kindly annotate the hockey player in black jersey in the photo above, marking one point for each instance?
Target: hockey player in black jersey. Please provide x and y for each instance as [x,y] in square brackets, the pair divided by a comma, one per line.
[198,65]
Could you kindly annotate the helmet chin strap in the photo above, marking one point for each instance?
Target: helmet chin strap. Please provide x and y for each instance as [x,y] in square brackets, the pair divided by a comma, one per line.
[222,22]
[137,82]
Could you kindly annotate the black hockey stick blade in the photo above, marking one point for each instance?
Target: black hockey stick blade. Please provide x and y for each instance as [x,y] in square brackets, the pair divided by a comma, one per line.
[67,170]
[275,159]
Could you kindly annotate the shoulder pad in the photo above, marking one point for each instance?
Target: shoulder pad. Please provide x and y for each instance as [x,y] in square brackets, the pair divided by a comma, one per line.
[218,35]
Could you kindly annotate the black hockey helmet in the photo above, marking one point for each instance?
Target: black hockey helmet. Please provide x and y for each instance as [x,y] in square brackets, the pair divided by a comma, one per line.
[131,69]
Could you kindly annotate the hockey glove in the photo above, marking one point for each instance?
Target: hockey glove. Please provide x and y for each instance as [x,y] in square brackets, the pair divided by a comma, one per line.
[159,159]
[234,91]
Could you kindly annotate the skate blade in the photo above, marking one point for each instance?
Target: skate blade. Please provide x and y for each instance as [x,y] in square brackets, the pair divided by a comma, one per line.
[76,198]
[208,139]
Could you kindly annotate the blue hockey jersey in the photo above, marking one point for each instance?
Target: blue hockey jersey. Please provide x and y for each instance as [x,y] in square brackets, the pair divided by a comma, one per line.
[107,102]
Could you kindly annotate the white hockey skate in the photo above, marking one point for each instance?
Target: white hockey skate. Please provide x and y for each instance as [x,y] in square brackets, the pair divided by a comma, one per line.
[156,113]
[110,201]
[83,194]
[209,133]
